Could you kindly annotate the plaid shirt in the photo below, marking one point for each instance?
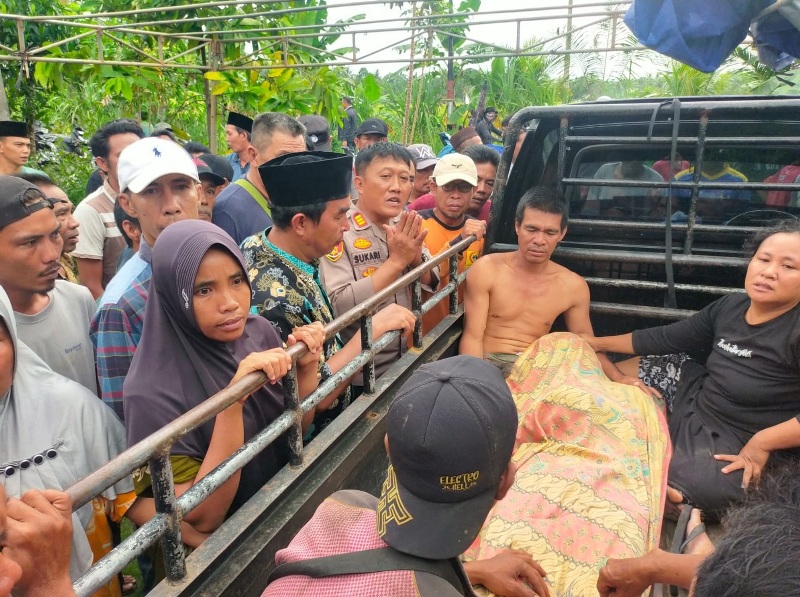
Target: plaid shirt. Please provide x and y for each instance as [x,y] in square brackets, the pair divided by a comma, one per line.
[117,325]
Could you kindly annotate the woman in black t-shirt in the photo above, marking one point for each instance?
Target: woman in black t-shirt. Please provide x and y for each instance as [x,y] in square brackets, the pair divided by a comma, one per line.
[730,376]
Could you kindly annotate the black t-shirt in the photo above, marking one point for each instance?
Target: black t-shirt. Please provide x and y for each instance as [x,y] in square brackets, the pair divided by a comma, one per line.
[753,371]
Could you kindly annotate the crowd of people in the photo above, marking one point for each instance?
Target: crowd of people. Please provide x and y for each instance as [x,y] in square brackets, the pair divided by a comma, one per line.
[530,464]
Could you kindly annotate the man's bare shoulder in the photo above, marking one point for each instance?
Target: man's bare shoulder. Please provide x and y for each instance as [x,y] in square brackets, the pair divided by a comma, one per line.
[567,276]
[487,268]
[491,260]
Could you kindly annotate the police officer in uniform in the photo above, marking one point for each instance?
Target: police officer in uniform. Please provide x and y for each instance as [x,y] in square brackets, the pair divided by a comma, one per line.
[383,243]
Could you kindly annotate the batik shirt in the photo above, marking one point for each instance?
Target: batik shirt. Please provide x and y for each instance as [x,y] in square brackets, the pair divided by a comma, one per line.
[288,292]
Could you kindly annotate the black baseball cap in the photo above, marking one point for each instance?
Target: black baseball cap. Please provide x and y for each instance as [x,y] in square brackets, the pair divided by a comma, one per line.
[12,200]
[220,168]
[373,126]
[318,130]
[451,433]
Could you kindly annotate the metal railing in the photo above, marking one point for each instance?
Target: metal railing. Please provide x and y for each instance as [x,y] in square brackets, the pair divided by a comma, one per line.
[562,133]
[155,449]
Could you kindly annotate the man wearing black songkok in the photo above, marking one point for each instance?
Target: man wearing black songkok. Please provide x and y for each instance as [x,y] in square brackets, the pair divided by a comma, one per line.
[310,197]
[15,146]
[238,131]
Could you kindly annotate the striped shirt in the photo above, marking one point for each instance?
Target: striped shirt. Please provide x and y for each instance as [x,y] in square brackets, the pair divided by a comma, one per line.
[100,238]
[117,325]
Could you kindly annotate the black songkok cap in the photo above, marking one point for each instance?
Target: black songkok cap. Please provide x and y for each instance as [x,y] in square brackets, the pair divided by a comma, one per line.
[12,200]
[240,120]
[307,177]
[11,128]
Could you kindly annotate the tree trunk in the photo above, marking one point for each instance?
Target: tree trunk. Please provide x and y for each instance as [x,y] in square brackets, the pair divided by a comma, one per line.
[5,113]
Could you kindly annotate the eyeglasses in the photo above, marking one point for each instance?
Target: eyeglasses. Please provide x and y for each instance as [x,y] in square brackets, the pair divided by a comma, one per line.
[462,186]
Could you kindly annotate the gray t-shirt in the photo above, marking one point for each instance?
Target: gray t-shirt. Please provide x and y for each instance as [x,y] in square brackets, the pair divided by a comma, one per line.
[59,333]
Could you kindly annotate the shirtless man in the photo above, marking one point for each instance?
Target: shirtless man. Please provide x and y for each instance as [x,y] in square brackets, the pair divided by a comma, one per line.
[512,299]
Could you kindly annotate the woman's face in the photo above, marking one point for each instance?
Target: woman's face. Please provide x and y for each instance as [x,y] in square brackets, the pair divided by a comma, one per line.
[773,276]
[6,359]
[221,298]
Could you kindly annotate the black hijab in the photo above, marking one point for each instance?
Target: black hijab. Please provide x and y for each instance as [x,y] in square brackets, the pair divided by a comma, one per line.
[176,367]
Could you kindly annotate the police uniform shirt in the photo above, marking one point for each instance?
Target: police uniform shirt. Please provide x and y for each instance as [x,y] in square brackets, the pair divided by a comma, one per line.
[346,273]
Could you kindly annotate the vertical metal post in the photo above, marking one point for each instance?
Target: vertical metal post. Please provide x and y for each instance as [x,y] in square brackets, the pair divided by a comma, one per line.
[562,152]
[366,344]
[290,391]
[164,495]
[453,264]
[99,44]
[416,307]
[698,170]
[161,48]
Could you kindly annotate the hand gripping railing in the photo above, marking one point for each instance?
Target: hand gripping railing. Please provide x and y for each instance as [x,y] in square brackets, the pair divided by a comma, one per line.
[155,449]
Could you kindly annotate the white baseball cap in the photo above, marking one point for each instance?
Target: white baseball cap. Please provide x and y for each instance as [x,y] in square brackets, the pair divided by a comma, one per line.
[151,158]
[455,166]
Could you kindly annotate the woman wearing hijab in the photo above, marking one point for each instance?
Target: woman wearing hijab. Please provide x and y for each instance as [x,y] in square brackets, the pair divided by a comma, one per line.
[54,432]
[198,338]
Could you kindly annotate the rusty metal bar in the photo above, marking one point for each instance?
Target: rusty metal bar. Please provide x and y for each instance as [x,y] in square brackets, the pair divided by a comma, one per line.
[657,226]
[654,258]
[563,131]
[639,311]
[787,108]
[698,169]
[416,308]
[164,495]
[651,258]
[727,141]
[454,294]
[651,184]
[366,344]
[115,561]
[645,285]
[292,398]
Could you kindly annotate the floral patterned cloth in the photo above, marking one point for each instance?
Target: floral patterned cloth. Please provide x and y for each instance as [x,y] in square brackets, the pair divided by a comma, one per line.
[592,459]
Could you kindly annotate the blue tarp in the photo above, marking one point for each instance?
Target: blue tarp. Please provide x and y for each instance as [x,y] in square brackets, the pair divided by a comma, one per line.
[703,33]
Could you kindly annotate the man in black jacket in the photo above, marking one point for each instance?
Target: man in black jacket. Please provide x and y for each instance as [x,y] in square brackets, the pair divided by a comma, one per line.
[486,127]
[347,132]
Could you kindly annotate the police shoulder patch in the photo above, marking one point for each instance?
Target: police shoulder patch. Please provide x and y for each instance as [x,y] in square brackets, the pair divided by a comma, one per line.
[360,221]
[337,252]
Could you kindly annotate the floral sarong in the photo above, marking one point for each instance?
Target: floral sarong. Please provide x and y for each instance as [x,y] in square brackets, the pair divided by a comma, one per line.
[592,458]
